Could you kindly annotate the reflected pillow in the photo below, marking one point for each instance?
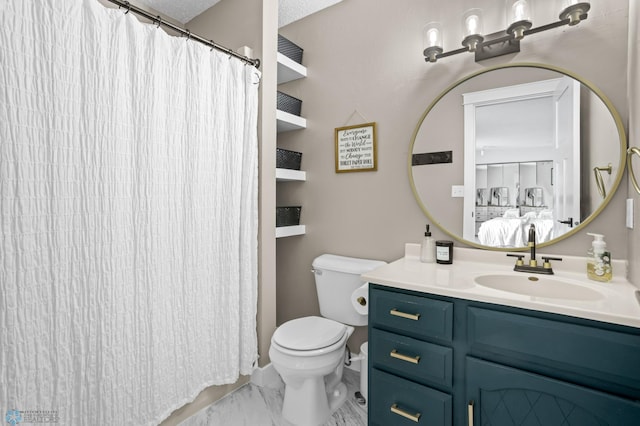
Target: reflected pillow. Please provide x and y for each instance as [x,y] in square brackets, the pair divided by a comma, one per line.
[511,214]
[530,215]
[545,214]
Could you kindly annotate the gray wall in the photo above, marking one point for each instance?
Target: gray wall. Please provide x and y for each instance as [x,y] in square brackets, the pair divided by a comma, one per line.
[364,62]
[634,135]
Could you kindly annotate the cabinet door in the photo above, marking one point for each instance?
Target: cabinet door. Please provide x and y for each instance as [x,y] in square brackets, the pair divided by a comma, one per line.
[504,396]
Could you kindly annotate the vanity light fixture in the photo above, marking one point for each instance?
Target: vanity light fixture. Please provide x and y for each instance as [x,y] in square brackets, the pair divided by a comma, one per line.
[485,46]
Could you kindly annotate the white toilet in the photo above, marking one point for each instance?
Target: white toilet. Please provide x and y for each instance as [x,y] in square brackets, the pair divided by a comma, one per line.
[309,352]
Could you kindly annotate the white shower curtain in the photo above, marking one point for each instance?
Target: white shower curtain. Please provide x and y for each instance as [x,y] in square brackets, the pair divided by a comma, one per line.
[128,215]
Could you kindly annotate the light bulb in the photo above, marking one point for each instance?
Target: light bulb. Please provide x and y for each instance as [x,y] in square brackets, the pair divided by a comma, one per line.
[520,11]
[472,24]
[433,36]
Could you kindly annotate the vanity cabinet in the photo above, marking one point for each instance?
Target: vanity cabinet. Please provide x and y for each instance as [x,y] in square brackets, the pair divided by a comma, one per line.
[437,360]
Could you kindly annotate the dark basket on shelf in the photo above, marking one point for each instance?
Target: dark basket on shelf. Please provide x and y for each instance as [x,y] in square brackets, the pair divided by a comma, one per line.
[289,49]
[289,104]
[288,216]
[286,159]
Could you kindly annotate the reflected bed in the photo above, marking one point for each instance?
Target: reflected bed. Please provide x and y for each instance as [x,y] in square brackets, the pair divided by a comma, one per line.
[512,230]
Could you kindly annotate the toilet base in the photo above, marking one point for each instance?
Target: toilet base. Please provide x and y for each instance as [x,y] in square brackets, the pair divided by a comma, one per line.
[311,404]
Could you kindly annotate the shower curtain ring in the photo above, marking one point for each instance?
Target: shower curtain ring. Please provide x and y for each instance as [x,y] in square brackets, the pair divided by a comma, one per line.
[212,45]
[128,7]
[158,20]
[188,35]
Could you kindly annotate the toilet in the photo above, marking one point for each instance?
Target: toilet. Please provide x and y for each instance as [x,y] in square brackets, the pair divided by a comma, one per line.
[309,352]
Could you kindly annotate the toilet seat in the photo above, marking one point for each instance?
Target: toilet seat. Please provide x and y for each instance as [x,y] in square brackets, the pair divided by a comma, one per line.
[309,333]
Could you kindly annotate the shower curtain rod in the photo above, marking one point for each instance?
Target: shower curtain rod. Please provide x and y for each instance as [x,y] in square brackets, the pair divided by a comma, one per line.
[158,20]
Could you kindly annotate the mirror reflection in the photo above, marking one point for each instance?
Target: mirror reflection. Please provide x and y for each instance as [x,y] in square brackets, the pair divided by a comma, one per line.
[523,145]
[509,198]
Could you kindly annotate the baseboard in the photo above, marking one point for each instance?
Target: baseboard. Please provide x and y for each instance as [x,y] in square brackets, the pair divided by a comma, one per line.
[266,376]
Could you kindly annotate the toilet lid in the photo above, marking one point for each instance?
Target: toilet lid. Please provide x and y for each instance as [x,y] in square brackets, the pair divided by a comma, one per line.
[308,333]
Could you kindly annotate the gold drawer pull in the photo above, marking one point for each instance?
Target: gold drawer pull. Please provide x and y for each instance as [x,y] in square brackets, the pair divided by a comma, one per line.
[413,417]
[401,314]
[412,359]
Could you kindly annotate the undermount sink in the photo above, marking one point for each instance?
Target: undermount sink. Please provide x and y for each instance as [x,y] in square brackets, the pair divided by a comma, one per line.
[538,286]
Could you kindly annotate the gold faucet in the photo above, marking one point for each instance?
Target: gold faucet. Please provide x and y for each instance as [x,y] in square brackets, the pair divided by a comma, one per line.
[533,267]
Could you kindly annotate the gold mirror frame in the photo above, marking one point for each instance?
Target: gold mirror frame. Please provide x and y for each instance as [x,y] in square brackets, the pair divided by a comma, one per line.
[587,220]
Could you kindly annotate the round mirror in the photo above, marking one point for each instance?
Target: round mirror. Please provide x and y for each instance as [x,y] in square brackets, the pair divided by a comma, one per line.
[513,146]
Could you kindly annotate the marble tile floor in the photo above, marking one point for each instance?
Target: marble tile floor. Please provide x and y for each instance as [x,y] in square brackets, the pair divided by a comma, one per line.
[253,405]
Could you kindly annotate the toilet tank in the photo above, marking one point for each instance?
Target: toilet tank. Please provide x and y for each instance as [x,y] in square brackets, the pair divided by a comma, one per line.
[337,277]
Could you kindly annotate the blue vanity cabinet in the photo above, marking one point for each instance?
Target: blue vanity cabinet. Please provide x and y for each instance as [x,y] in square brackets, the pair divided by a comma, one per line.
[463,362]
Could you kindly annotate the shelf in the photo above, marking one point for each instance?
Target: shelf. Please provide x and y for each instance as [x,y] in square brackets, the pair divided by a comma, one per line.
[287,122]
[288,175]
[289,231]
[289,70]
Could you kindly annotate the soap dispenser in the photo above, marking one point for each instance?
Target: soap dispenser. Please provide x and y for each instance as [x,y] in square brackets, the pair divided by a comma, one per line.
[599,260]
[428,248]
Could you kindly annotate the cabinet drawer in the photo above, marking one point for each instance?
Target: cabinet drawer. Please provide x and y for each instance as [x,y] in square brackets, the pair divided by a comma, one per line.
[411,315]
[570,351]
[391,397]
[414,359]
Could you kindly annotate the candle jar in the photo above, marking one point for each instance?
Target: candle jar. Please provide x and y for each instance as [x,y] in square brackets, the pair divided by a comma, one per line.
[444,252]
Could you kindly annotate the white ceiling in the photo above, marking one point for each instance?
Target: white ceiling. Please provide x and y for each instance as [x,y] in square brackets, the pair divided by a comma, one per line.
[528,122]
[288,10]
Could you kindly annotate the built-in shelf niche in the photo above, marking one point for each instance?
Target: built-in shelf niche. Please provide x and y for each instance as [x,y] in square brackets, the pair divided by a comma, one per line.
[288,175]
[289,70]
[290,231]
[287,122]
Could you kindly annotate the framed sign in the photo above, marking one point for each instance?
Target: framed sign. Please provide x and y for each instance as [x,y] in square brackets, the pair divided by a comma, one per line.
[356,149]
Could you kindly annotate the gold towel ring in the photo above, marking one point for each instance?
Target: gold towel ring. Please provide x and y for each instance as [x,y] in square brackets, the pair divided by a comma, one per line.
[599,181]
[633,150]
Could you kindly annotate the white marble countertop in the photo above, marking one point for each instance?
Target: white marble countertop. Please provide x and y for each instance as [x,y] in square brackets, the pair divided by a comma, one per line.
[619,304]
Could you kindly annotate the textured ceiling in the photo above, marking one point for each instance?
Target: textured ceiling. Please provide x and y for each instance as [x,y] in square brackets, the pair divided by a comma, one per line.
[288,10]
[182,11]
[292,10]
